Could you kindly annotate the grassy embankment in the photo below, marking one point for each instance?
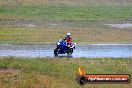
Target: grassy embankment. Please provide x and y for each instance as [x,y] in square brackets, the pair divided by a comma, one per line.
[58,72]
[81,23]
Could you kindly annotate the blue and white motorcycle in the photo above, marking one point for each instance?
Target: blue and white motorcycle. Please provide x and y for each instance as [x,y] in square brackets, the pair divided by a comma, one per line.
[63,48]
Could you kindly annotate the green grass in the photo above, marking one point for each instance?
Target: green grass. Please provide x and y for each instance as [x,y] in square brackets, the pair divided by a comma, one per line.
[85,24]
[66,12]
[12,35]
[58,72]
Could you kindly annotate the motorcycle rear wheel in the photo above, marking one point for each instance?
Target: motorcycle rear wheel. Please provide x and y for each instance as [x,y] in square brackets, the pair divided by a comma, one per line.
[69,51]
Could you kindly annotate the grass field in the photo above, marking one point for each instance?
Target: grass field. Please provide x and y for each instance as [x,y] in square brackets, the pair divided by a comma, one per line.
[67,2]
[58,72]
[65,12]
[11,35]
[83,21]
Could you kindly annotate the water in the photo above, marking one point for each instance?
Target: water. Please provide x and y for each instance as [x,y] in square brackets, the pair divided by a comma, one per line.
[88,51]
[124,25]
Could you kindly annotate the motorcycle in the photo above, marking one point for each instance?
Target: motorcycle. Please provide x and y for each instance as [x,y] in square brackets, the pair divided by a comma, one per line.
[63,47]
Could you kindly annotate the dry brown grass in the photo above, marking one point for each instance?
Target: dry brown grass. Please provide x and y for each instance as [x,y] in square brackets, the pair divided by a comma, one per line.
[17,79]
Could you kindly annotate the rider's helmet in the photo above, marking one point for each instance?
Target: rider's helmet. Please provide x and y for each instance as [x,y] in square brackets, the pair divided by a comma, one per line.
[68,34]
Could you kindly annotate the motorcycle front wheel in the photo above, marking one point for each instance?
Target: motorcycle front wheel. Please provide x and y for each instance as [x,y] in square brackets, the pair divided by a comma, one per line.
[56,52]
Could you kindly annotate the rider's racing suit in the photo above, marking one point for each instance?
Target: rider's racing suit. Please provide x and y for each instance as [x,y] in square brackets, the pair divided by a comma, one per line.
[68,39]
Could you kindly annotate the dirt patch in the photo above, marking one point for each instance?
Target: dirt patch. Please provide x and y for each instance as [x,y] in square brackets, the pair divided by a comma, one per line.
[43,81]
[8,77]
[9,72]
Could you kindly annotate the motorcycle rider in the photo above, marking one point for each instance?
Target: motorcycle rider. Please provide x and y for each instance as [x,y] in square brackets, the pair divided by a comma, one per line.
[65,46]
[68,39]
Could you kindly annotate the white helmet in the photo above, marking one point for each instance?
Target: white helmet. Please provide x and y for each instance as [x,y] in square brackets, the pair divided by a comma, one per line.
[68,34]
